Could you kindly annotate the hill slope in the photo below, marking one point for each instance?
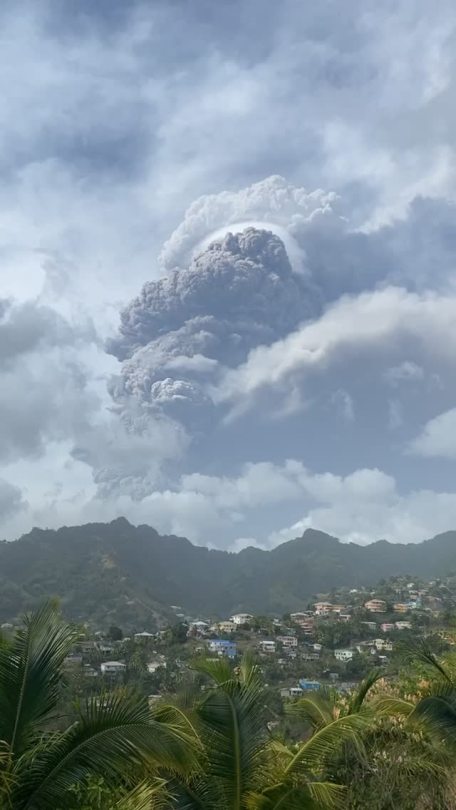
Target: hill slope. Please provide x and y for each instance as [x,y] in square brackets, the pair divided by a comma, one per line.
[119,572]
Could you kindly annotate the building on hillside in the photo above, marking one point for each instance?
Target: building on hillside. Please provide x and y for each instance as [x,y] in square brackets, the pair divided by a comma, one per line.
[267,646]
[223,647]
[403,625]
[343,655]
[370,625]
[104,647]
[225,627]
[323,608]
[291,692]
[375,606]
[386,627]
[310,656]
[241,618]
[383,644]
[156,663]
[199,627]
[400,607]
[344,617]
[144,636]
[113,668]
[305,622]
[288,642]
[338,609]
[309,686]
[89,671]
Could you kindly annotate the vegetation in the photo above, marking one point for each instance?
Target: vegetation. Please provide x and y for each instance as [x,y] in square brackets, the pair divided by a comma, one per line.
[223,742]
[120,575]
[114,738]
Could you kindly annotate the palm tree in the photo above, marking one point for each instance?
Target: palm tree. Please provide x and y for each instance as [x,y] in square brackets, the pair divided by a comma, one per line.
[115,736]
[242,766]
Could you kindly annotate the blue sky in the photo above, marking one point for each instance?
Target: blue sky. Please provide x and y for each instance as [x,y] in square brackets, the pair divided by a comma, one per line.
[321,394]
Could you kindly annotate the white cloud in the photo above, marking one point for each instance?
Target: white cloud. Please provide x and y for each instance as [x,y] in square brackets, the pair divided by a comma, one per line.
[353,323]
[438,437]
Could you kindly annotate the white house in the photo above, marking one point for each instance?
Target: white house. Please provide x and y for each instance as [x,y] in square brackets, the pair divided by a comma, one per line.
[113,668]
[383,644]
[343,655]
[288,642]
[241,618]
[155,664]
[403,625]
[267,646]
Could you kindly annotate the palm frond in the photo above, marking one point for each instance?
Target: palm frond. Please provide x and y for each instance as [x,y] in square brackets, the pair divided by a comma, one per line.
[31,675]
[391,706]
[359,695]
[326,742]
[145,796]
[316,709]
[438,714]
[117,733]
[420,652]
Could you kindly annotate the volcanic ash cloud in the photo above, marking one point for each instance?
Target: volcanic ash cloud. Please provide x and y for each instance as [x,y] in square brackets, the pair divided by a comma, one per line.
[239,293]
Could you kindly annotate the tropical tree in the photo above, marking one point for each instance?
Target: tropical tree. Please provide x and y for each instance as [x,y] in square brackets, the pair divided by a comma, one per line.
[114,736]
[402,762]
[242,766]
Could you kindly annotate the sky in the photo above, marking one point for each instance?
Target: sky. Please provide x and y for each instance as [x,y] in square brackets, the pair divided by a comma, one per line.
[228,267]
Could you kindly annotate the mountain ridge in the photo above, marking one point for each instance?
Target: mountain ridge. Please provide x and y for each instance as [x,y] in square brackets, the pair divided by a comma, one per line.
[118,572]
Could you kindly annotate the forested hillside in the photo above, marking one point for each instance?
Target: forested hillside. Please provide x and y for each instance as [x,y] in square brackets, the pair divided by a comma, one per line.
[117,571]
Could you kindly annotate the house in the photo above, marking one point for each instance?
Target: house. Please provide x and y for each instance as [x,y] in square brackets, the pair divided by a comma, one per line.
[375,606]
[403,625]
[322,608]
[89,672]
[291,692]
[309,686]
[103,647]
[144,636]
[113,668]
[370,625]
[198,628]
[304,621]
[156,663]
[241,618]
[344,617]
[223,647]
[343,655]
[225,627]
[267,646]
[383,644]
[338,609]
[400,607]
[288,642]
[386,627]
[311,656]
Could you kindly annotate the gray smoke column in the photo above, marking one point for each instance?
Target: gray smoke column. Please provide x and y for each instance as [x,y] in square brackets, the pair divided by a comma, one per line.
[237,294]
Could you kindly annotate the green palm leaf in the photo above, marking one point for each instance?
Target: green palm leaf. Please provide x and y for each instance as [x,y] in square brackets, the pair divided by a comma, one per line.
[31,675]
[116,735]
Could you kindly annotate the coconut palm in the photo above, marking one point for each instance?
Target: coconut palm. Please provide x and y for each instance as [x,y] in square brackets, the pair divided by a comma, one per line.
[115,736]
[243,767]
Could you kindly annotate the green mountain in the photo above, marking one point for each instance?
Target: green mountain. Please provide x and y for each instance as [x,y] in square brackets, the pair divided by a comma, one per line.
[116,572]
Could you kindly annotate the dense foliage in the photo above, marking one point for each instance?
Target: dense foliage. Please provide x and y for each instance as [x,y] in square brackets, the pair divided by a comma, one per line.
[224,741]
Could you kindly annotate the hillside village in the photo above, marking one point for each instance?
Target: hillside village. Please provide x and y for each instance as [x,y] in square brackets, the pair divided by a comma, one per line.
[335,640]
